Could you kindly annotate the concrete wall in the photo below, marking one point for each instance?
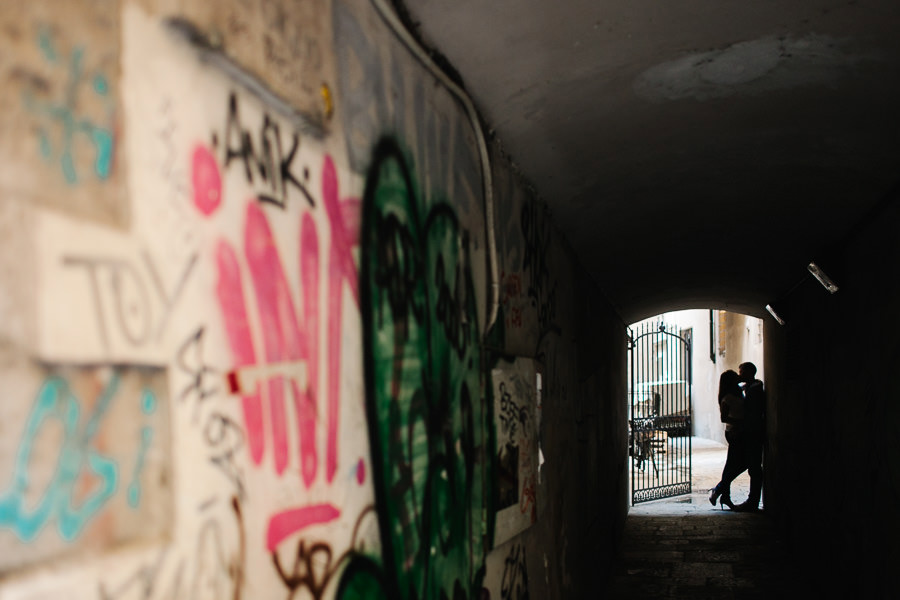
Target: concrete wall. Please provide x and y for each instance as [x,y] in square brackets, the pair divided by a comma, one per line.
[833,458]
[245,292]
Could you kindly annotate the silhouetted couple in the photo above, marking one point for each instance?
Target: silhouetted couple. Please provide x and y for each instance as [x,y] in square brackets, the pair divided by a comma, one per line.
[742,404]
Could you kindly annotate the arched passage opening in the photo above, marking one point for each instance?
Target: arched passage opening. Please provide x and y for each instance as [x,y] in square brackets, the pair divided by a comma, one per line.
[675,543]
[677,442]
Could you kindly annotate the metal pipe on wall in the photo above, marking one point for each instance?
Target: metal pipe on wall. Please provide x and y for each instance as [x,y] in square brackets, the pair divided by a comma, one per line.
[390,18]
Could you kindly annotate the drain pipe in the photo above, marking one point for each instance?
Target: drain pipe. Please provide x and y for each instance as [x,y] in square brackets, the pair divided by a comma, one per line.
[390,18]
[210,51]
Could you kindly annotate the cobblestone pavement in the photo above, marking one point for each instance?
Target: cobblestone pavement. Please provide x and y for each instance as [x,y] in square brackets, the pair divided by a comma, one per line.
[719,554]
[685,548]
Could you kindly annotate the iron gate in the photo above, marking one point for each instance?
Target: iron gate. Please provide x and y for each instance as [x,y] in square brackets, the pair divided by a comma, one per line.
[659,436]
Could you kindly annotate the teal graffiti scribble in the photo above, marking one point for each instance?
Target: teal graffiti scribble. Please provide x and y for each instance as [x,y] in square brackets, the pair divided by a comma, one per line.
[148,406]
[55,400]
[134,488]
[45,43]
[45,145]
[103,142]
[101,86]
[148,402]
[61,116]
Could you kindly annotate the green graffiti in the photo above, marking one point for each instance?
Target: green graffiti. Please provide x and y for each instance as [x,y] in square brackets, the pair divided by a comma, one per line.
[363,579]
[429,415]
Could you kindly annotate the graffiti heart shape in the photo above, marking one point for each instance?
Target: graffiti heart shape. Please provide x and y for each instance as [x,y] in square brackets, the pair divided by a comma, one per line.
[430,421]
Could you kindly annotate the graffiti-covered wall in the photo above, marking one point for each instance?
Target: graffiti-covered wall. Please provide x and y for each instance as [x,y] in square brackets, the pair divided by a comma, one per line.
[278,322]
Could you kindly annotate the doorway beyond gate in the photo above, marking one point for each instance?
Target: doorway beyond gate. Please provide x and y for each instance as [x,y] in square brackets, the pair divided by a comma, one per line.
[659,424]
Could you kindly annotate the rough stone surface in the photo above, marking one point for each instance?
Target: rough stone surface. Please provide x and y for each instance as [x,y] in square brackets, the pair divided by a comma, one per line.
[732,555]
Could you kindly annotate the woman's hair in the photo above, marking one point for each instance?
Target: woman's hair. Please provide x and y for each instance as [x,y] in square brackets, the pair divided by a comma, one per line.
[729,383]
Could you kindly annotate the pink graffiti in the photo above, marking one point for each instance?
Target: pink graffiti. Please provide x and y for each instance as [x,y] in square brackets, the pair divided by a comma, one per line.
[341,269]
[512,286]
[207,181]
[229,290]
[528,501]
[288,522]
[309,267]
[290,339]
[514,318]
[282,338]
[510,297]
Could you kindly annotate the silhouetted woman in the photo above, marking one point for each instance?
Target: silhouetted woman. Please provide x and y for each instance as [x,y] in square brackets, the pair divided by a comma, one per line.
[731,409]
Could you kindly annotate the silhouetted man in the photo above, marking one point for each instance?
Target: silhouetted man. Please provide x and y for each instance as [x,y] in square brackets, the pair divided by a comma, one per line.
[754,427]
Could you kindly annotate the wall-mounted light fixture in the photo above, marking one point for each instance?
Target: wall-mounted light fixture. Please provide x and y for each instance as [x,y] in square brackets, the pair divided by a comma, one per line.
[774,314]
[819,274]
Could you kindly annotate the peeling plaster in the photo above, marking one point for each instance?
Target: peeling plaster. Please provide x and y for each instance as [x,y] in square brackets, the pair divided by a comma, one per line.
[763,65]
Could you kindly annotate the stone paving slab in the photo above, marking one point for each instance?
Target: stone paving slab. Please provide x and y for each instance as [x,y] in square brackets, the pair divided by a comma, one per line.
[723,558]
[685,548]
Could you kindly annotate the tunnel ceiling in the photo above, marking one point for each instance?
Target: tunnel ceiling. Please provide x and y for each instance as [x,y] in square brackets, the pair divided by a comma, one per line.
[695,154]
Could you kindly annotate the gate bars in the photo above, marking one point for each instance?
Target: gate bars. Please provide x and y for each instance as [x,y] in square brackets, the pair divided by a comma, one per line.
[659,440]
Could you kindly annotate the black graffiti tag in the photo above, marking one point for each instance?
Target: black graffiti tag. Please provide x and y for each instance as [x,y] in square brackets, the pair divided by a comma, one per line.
[134,319]
[266,162]
[511,414]
[514,585]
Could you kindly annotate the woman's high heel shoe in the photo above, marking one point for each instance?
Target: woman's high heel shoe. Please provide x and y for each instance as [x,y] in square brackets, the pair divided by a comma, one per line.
[725,501]
[714,495]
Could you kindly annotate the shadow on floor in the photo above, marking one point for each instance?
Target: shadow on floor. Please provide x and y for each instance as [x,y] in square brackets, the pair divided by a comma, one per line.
[707,460]
[718,555]
[684,548]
